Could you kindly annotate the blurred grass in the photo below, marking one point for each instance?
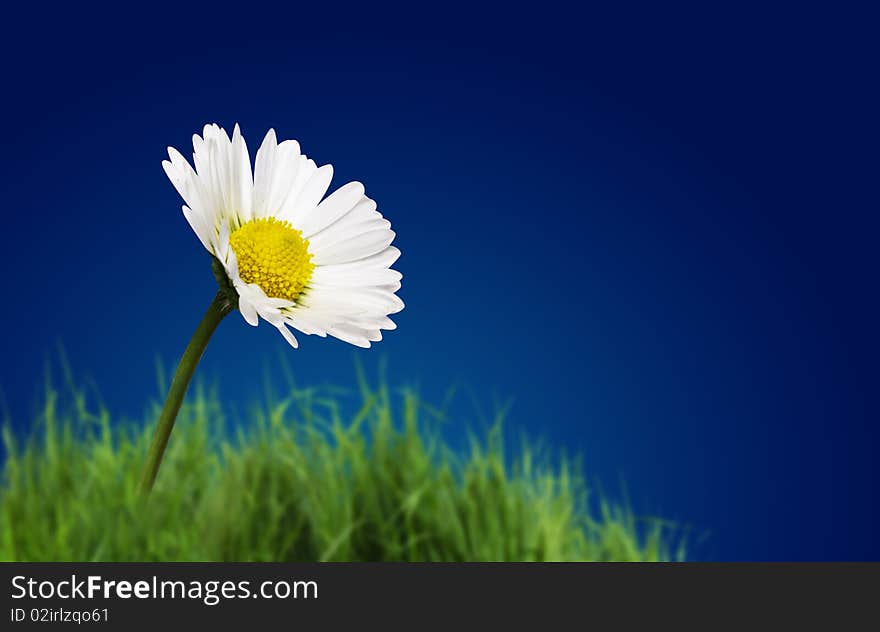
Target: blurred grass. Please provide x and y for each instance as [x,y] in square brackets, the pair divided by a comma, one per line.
[301,482]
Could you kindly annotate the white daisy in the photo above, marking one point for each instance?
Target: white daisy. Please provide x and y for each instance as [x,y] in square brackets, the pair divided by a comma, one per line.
[295,260]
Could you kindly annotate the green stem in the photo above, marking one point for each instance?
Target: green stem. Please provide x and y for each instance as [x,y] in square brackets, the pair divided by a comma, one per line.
[219,308]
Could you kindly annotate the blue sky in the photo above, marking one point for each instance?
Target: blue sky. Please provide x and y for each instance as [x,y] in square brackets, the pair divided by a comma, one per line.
[654,231]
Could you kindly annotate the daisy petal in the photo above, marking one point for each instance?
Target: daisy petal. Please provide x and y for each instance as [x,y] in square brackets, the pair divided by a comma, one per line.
[351,335]
[357,247]
[242,178]
[380,260]
[248,312]
[288,336]
[198,227]
[263,171]
[300,203]
[337,204]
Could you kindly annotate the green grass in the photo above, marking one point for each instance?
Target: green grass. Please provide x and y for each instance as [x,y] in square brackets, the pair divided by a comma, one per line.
[300,481]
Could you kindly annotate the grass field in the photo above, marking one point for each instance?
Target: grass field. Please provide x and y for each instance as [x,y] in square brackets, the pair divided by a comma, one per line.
[301,481]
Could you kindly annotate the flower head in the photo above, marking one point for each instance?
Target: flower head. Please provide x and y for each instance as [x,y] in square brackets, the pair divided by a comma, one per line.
[321,266]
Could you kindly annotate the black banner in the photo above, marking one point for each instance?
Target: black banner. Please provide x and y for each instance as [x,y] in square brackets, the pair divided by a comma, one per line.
[229,596]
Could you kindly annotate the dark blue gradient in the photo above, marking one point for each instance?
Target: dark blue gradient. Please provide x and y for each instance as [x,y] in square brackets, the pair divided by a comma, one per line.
[657,231]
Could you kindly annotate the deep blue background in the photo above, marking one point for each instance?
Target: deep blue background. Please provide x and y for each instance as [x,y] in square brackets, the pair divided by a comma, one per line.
[656,230]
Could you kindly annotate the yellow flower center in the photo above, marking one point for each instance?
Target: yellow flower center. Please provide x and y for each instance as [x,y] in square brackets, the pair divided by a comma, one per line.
[274,255]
